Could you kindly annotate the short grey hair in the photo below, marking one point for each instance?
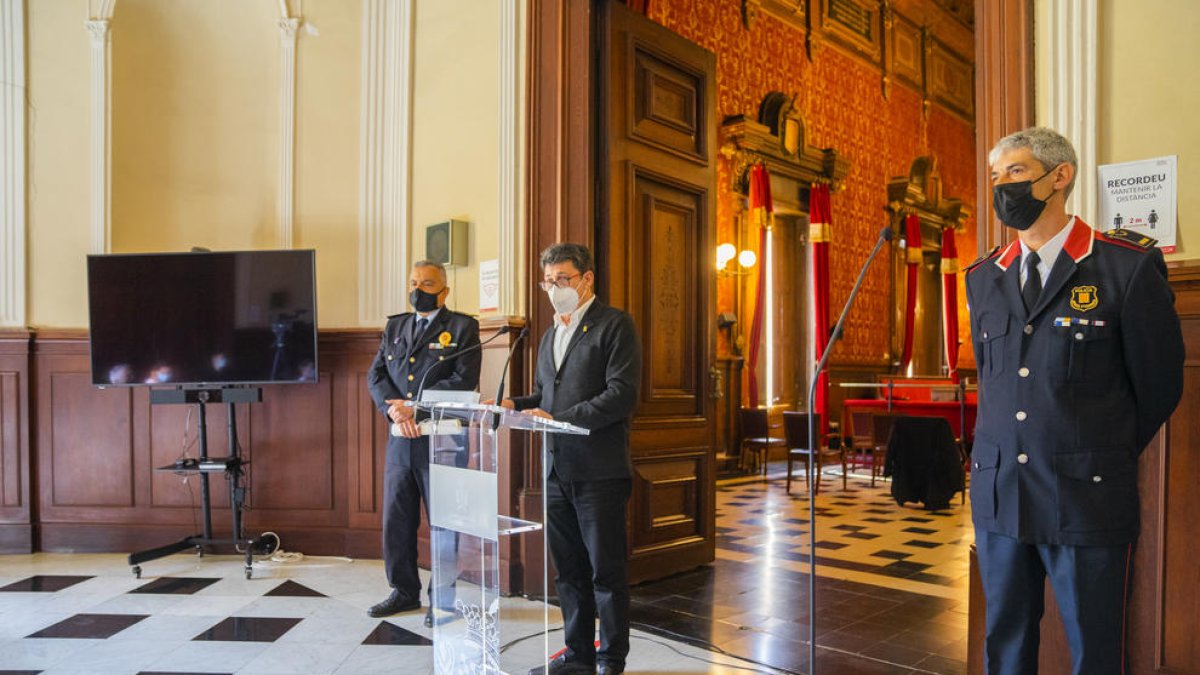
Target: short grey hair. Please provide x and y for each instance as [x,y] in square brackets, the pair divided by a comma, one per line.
[1047,146]
[435,265]
[576,254]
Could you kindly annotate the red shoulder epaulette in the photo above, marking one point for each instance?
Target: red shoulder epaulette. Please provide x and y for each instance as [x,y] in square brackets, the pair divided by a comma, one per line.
[1127,239]
[982,259]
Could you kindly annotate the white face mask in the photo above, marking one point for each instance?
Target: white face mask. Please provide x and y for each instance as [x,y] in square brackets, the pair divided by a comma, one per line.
[564,300]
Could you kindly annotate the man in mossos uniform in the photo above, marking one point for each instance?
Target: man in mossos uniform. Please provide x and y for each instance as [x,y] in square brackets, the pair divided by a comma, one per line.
[414,344]
[1080,362]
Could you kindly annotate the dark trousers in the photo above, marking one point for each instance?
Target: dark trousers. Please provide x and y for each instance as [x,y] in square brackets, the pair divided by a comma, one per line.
[405,489]
[1090,587]
[585,526]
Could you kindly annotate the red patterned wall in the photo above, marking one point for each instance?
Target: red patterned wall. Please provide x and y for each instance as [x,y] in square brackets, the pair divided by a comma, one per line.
[843,108]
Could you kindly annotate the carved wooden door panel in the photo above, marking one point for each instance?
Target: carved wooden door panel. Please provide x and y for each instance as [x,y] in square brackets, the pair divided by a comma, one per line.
[654,232]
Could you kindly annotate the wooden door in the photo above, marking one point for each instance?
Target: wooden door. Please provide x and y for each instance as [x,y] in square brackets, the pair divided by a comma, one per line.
[654,231]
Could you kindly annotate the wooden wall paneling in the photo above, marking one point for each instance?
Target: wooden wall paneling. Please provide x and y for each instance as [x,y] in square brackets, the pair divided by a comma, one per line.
[906,51]
[1004,96]
[16,528]
[655,232]
[950,79]
[672,498]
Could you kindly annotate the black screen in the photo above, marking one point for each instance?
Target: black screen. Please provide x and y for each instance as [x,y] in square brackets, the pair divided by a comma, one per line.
[237,317]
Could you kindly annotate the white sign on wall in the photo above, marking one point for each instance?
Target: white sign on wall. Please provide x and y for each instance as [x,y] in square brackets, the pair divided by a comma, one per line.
[489,286]
[1140,197]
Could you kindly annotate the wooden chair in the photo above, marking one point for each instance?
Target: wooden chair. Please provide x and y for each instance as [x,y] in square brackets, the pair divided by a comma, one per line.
[881,434]
[861,444]
[757,440]
[795,430]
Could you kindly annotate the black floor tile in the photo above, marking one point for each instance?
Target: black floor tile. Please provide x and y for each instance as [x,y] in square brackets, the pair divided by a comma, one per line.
[848,528]
[291,589]
[391,635]
[922,543]
[248,629]
[862,535]
[893,555]
[175,585]
[44,583]
[90,626]
[831,545]
[878,520]
[919,530]
[918,519]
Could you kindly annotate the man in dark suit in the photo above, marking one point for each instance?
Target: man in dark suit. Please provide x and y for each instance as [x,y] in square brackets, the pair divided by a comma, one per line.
[415,343]
[589,366]
[1080,361]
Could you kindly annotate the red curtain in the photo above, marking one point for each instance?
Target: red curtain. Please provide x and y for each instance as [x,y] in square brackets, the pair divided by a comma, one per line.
[819,219]
[760,210]
[950,301]
[912,242]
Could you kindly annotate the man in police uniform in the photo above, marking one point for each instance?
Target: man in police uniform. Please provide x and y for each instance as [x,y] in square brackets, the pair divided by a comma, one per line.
[1080,362]
[415,343]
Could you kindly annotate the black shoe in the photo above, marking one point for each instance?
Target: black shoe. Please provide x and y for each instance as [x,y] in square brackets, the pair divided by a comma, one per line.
[605,668]
[561,666]
[396,602]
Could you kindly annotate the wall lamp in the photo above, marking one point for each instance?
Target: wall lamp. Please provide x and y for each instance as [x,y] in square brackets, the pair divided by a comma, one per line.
[727,252]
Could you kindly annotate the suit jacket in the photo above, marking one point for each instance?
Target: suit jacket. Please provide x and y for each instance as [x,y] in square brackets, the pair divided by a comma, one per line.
[1071,392]
[403,360]
[596,388]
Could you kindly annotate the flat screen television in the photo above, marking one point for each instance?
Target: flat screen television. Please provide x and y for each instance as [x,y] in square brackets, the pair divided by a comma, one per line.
[203,319]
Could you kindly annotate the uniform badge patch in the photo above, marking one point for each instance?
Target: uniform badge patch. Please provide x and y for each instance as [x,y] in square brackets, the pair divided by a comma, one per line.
[445,338]
[1084,298]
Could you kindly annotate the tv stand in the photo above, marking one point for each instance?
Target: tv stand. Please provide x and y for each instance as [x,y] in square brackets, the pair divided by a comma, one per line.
[231,466]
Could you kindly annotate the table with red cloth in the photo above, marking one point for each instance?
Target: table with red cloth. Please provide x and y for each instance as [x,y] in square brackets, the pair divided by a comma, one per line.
[952,411]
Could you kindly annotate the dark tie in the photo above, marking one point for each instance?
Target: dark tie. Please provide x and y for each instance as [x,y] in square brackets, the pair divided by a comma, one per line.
[1033,281]
[423,323]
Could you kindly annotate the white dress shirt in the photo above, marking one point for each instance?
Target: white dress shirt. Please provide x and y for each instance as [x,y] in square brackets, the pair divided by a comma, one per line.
[564,331]
[1047,254]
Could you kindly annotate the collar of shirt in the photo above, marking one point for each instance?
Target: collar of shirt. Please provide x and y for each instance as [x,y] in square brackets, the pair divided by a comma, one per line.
[428,317]
[1048,253]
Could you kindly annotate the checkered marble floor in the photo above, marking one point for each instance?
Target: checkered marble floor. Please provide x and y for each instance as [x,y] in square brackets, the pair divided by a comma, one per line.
[75,614]
[863,535]
[891,583]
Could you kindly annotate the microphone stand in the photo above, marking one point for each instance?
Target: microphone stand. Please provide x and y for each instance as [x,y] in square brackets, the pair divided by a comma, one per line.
[468,350]
[504,372]
[835,335]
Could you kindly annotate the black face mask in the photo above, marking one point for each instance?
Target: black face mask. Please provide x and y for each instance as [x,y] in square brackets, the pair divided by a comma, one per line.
[1015,204]
[422,301]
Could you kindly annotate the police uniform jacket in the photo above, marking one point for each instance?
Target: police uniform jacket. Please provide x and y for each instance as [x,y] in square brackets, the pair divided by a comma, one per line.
[1073,390]
[403,360]
[595,388]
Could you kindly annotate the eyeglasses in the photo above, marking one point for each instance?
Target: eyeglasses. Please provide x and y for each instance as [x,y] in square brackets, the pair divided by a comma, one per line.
[561,282]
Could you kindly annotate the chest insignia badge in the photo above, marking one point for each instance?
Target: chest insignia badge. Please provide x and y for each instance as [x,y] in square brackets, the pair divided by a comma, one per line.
[1084,298]
[445,338]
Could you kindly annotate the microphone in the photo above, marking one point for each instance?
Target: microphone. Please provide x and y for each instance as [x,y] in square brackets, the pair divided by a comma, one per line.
[433,366]
[504,371]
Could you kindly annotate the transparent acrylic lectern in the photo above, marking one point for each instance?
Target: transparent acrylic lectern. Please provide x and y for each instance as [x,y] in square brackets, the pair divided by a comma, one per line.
[467,525]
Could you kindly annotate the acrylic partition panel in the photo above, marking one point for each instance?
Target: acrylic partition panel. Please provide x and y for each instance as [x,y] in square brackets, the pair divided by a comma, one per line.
[476,630]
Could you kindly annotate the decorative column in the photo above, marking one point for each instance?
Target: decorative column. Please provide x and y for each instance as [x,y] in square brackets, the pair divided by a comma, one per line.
[12,163]
[1067,60]
[511,165]
[385,158]
[287,127]
[101,155]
